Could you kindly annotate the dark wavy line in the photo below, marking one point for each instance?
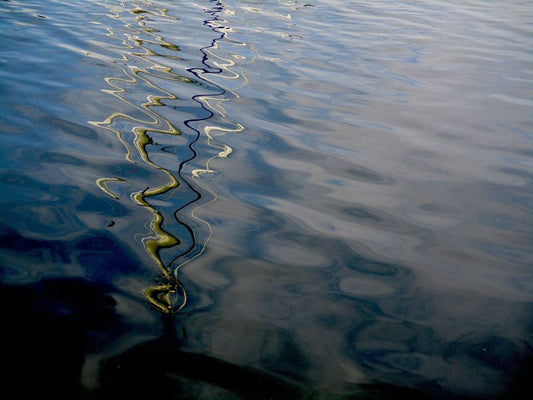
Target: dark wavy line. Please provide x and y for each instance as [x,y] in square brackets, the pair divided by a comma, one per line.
[198,72]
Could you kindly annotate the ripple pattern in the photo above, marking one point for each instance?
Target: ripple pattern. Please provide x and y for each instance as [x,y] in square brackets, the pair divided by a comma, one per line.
[145,71]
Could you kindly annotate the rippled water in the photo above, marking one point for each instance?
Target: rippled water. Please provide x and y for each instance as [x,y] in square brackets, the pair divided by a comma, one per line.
[267,199]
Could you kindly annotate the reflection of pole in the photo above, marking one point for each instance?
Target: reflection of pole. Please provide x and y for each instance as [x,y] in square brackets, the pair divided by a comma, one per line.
[165,295]
[221,67]
[190,123]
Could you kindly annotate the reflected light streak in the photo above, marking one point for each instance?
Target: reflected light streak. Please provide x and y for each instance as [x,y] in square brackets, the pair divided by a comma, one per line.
[167,294]
[215,65]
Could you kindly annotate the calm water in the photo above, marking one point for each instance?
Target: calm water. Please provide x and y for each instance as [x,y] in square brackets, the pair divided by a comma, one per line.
[278,199]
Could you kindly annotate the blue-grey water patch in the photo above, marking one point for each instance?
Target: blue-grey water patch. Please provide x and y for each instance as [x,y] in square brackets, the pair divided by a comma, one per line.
[277,199]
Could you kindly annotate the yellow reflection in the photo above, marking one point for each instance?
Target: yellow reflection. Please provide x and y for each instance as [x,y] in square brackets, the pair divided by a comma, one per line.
[137,43]
[102,184]
[167,294]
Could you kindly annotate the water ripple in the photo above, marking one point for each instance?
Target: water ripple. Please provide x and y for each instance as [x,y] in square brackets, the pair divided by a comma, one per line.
[146,74]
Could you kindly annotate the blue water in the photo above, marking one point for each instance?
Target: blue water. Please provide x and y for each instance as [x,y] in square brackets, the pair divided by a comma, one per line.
[277,199]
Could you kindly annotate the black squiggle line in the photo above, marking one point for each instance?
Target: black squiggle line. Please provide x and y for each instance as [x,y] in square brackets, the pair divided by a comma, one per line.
[198,72]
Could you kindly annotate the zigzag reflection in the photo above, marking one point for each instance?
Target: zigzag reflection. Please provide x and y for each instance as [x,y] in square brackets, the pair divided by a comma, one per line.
[134,129]
[214,103]
[213,64]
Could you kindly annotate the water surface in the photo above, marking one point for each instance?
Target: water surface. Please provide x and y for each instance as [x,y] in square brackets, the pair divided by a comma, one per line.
[275,199]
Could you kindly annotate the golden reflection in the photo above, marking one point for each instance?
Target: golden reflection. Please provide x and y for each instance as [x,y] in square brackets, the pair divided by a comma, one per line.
[137,44]
[103,182]
[167,294]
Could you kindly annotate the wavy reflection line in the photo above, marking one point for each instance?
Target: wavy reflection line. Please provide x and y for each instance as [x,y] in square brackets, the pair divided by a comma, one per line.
[212,64]
[167,294]
[103,182]
[214,103]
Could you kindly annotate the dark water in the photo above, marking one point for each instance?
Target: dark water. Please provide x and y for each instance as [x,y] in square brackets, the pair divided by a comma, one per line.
[266,199]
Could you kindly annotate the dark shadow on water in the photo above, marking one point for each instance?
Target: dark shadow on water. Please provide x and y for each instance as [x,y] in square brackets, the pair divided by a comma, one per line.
[49,328]
[160,368]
